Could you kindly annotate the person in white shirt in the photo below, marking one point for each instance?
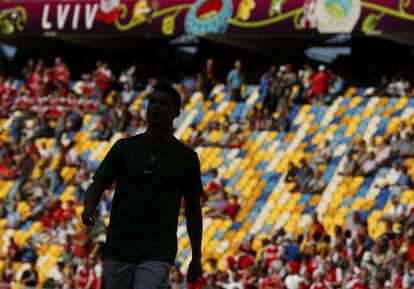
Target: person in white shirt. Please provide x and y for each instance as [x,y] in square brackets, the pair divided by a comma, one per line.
[392,177]
[44,152]
[127,95]
[293,279]
[369,166]
[234,126]
[398,211]
[384,153]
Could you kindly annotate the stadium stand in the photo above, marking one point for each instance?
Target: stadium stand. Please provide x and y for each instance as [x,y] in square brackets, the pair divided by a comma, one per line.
[308,187]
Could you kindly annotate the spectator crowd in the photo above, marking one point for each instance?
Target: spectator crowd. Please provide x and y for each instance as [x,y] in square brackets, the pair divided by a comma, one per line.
[45,102]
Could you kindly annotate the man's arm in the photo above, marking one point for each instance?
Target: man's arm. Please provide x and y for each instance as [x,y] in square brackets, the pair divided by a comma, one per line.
[91,200]
[194,218]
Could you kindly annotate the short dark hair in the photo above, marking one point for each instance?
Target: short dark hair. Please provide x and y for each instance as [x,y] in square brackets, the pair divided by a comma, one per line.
[171,91]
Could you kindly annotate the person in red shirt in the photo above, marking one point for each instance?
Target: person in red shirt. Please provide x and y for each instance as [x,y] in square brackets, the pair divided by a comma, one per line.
[334,275]
[58,213]
[84,275]
[95,273]
[320,282]
[274,280]
[103,77]
[7,95]
[361,281]
[410,248]
[311,260]
[232,208]
[320,83]
[47,220]
[13,251]
[88,86]
[270,252]
[214,185]
[34,83]
[69,212]
[397,276]
[60,72]
[307,280]
[81,244]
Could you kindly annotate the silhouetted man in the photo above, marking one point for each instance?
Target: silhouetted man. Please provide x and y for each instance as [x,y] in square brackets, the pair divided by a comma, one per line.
[153,171]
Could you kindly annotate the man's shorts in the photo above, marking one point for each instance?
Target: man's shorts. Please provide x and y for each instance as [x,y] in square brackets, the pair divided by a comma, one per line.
[146,275]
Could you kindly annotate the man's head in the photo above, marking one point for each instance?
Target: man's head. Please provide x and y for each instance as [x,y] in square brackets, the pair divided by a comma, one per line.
[237,64]
[164,105]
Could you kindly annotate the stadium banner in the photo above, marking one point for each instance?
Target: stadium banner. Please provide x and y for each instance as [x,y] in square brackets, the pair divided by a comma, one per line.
[232,17]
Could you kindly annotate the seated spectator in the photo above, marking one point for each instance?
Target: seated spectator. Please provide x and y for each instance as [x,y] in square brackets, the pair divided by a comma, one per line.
[195,137]
[351,165]
[372,146]
[398,211]
[406,148]
[225,137]
[255,118]
[218,209]
[315,227]
[396,143]
[317,184]
[267,122]
[205,137]
[236,139]
[302,166]
[292,173]
[326,153]
[232,208]
[383,153]
[304,180]
[282,122]
[403,129]
[215,184]
[235,125]
[369,166]
[404,181]
[392,177]
[362,153]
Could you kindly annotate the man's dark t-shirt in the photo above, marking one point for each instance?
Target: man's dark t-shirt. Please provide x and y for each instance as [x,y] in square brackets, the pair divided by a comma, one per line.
[150,183]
